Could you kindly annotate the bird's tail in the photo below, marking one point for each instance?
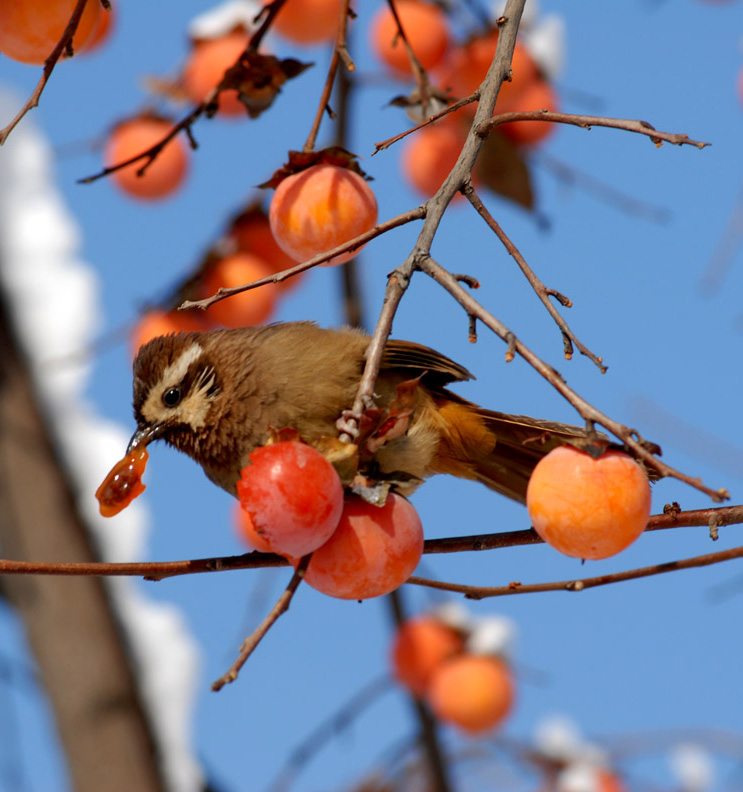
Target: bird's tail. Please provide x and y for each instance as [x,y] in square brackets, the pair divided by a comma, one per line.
[494,448]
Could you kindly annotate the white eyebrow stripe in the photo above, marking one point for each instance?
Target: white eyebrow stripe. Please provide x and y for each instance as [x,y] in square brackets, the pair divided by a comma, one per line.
[176,371]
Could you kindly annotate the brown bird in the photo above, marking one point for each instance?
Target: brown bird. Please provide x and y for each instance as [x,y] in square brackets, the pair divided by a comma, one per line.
[216,395]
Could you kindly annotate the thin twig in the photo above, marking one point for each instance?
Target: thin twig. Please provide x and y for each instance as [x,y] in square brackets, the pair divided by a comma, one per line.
[268,13]
[607,193]
[150,154]
[352,244]
[482,592]
[430,120]
[338,50]
[329,728]
[630,437]
[161,570]
[726,249]
[421,78]
[539,288]
[64,42]
[185,124]
[586,122]
[250,644]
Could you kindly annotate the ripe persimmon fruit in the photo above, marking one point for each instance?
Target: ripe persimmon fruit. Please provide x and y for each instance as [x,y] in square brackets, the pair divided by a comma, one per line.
[426,29]
[308,21]
[252,234]
[246,308]
[473,692]
[429,154]
[123,483]
[31,29]
[420,646]
[293,496]
[247,532]
[538,95]
[372,551]
[319,208]
[158,322]
[102,30]
[165,173]
[588,508]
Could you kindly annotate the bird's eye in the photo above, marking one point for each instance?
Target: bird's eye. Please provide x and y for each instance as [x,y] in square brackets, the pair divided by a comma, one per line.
[171,397]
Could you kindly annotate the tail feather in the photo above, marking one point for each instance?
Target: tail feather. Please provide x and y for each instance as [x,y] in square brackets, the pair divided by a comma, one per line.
[497,449]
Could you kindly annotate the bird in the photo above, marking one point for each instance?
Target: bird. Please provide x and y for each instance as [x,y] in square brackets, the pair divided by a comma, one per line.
[217,395]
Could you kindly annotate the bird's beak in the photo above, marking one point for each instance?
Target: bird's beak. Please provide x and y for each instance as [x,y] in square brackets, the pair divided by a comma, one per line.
[145,435]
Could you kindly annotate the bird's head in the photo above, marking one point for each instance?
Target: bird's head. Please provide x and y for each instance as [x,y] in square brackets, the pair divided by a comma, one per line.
[176,391]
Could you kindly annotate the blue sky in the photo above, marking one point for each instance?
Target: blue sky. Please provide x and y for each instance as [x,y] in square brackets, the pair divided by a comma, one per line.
[643,656]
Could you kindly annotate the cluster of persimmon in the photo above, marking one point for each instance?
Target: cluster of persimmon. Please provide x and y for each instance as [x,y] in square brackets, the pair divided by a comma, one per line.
[213,50]
[312,211]
[292,502]
[588,507]
[457,69]
[466,681]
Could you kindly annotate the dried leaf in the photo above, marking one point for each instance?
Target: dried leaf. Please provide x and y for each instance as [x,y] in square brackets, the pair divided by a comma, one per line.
[301,160]
[258,79]
[502,168]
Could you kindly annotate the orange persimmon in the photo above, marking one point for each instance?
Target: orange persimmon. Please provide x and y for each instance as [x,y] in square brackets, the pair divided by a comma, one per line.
[585,507]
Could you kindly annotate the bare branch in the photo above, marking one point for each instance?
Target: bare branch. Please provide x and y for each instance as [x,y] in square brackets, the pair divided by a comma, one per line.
[630,437]
[49,64]
[160,570]
[352,244]
[338,55]
[435,117]
[185,124]
[539,288]
[150,154]
[482,592]
[421,78]
[250,644]
[328,729]
[586,122]
[435,207]
[268,12]
[607,193]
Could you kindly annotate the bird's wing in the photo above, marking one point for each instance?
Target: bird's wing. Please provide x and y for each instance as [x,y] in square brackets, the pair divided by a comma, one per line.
[419,359]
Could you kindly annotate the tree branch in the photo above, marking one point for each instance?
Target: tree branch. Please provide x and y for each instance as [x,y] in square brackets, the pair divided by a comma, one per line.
[438,769]
[586,122]
[482,592]
[185,124]
[430,120]
[435,207]
[352,244]
[63,44]
[421,78]
[250,644]
[540,289]
[160,570]
[630,437]
[340,47]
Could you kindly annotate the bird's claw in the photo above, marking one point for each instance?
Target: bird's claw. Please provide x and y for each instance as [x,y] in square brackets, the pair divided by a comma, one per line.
[348,424]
